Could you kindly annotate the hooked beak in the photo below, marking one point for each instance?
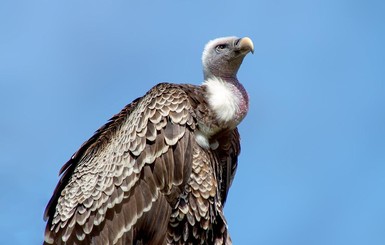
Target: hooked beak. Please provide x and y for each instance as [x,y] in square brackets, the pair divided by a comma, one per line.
[245,45]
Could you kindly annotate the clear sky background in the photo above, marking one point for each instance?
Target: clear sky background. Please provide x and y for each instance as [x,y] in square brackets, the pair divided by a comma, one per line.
[312,167]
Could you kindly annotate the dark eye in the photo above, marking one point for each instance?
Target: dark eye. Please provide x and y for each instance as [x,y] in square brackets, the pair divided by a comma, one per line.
[220,47]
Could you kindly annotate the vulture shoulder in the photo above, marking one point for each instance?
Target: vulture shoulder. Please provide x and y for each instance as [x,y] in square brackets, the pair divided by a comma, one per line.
[124,183]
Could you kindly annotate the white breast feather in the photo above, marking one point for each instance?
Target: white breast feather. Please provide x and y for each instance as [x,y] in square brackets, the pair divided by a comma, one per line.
[222,99]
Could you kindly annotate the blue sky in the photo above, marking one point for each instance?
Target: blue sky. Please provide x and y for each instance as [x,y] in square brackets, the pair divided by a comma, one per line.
[312,168]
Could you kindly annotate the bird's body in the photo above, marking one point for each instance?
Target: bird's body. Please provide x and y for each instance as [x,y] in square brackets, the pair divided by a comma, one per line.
[159,171]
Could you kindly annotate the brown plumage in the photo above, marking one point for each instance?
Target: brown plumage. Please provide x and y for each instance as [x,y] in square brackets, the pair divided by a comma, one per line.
[159,171]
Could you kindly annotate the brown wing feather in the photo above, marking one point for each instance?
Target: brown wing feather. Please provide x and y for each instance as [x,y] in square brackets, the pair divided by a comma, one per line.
[95,143]
[133,167]
[198,218]
[228,151]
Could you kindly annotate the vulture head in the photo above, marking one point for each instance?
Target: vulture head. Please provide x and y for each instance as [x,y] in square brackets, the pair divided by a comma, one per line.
[223,56]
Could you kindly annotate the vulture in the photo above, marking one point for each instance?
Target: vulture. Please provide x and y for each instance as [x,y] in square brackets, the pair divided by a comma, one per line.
[159,171]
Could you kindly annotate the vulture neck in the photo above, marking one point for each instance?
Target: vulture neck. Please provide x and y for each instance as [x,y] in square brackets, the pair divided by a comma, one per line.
[227,99]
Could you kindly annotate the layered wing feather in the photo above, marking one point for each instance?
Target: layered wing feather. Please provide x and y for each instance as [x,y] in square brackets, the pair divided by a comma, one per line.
[228,150]
[132,168]
[199,218]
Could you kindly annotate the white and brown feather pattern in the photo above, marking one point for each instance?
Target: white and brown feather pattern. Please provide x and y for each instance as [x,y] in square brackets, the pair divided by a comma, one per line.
[198,217]
[145,156]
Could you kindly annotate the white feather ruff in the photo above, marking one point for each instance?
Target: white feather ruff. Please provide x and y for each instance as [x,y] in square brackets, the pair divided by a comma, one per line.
[222,98]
